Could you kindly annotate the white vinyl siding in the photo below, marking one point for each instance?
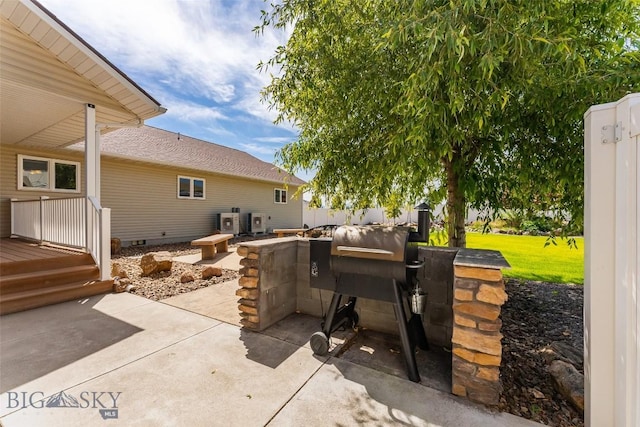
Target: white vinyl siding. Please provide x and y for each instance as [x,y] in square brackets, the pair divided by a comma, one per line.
[142,198]
[153,209]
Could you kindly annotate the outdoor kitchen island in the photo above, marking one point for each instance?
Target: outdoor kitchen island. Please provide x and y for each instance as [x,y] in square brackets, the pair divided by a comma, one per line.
[464,291]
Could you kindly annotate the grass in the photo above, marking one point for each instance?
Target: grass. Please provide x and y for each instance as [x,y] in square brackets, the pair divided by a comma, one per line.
[531,260]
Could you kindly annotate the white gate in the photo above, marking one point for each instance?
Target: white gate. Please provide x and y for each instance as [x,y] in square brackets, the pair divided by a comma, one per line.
[612,248]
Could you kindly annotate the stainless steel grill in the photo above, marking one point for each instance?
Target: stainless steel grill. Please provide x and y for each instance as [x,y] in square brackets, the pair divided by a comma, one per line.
[371,262]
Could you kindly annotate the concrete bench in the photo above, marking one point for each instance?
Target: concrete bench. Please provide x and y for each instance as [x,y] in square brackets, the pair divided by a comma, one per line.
[282,231]
[213,244]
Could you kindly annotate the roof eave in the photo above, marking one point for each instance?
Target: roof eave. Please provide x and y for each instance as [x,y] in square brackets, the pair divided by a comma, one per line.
[46,15]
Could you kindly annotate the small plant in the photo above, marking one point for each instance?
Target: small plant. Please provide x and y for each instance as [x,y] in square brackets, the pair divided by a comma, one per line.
[529,227]
[512,218]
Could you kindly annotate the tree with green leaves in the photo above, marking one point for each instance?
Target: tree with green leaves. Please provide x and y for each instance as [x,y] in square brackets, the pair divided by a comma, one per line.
[479,102]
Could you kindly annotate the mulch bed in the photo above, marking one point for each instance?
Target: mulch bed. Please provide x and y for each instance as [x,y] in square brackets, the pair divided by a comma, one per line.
[536,314]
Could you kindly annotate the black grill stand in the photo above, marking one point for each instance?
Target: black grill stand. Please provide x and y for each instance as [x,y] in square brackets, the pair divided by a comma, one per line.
[411,333]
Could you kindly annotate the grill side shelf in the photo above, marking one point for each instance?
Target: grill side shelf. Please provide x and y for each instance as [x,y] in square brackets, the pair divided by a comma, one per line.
[367,253]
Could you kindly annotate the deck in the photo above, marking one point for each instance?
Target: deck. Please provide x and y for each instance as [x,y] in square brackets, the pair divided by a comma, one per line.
[33,275]
[14,250]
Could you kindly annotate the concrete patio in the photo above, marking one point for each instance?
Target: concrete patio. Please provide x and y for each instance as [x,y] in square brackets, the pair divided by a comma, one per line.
[126,360]
[186,360]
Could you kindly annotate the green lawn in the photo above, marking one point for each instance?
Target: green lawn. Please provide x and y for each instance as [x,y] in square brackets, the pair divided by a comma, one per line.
[530,260]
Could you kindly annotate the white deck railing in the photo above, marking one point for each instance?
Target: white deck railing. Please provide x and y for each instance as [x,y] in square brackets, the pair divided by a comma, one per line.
[64,222]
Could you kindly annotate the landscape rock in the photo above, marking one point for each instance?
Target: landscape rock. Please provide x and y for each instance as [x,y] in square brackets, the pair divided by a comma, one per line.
[118,271]
[569,382]
[210,272]
[562,351]
[116,246]
[155,262]
[187,277]
[121,284]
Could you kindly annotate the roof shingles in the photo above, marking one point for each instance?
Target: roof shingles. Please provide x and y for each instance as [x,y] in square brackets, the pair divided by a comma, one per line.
[153,145]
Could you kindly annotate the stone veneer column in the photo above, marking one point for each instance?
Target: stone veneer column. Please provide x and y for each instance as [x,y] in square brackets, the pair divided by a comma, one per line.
[248,292]
[267,281]
[478,293]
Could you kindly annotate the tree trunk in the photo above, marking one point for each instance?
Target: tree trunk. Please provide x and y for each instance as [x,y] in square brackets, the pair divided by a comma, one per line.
[456,204]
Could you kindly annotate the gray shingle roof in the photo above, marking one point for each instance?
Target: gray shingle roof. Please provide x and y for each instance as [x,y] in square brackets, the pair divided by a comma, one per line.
[153,145]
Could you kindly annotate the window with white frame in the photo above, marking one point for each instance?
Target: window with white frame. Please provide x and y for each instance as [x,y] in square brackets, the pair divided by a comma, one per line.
[280,195]
[191,188]
[40,173]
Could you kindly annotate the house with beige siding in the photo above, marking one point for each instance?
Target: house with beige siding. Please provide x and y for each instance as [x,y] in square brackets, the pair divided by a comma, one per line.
[56,89]
[78,167]
[163,187]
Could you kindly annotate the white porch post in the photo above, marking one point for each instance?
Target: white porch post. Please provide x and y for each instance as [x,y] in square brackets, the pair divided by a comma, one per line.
[92,153]
[612,221]
[89,168]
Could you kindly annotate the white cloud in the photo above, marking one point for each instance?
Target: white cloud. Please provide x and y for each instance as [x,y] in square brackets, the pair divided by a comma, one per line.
[258,148]
[280,140]
[219,131]
[191,112]
[200,49]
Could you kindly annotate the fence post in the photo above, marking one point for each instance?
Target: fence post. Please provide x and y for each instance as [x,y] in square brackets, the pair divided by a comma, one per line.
[611,306]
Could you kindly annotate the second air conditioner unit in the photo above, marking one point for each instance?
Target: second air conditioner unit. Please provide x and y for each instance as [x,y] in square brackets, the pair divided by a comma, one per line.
[229,223]
[257,223]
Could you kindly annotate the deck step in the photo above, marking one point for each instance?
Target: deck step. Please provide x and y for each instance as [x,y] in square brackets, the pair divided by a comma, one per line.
[33,298]
[64,260]
[45,279]
[28,281]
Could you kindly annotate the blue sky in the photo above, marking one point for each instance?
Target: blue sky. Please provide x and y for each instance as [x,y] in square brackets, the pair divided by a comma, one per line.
[196,57]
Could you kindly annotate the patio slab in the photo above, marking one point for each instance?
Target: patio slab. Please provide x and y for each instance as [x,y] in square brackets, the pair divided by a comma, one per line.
[382,352]
[128,361]
[342,393]
[53,348]
[223,376]
[216,301]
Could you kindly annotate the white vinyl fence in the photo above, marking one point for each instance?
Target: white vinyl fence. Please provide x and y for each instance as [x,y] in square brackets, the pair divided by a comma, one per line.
[314,217]
[612,249]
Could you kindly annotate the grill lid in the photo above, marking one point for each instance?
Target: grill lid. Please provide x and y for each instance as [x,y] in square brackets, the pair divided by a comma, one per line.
[370,242]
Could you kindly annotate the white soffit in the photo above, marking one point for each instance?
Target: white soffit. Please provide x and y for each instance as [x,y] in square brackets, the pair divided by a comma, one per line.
[47,74]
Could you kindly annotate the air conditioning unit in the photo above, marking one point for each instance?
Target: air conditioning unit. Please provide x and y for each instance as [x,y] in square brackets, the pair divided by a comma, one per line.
[257,223]
[229,223]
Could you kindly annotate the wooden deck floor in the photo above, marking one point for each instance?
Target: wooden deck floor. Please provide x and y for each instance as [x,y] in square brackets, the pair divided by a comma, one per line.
[13,250]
